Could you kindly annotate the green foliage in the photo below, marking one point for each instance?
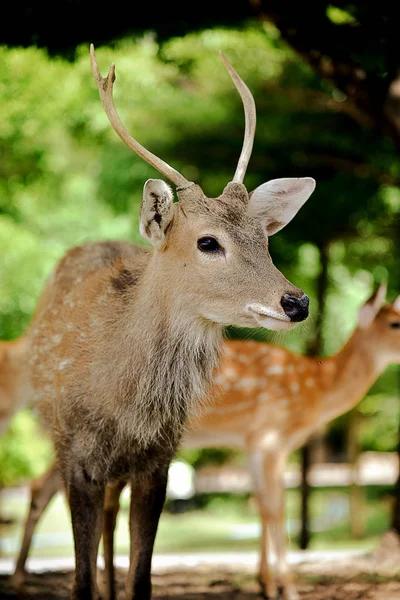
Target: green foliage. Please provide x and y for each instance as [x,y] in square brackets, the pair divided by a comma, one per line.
[66,178]
[24,452]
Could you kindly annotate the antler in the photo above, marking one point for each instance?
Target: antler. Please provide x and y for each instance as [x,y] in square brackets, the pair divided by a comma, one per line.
[106,95]
[250,120]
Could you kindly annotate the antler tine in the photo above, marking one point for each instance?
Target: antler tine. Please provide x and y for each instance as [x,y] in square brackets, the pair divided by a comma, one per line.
[250,120]
[105,86]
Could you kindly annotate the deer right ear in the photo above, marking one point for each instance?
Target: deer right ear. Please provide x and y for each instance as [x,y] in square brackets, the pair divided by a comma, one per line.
[372,306]
[156,211]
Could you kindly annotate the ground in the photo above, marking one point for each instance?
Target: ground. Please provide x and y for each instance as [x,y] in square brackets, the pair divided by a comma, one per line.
[371,576]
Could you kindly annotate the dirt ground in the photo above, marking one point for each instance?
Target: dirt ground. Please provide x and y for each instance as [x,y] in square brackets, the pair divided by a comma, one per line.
[374,576]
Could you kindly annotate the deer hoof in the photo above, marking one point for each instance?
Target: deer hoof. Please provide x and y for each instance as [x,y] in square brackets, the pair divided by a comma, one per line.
[17,580]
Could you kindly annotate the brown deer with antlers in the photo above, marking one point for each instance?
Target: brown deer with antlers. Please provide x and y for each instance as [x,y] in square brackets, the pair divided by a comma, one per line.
[268,401]
[125,340]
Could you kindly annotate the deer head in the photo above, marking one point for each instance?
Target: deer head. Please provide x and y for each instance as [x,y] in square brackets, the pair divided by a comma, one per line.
[380,322]
[214,251]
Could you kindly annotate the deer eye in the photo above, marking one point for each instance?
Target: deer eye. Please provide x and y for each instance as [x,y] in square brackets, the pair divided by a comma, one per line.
[208,244]
[395,325]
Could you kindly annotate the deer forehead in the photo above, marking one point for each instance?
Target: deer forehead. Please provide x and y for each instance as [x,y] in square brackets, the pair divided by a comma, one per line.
[220,217]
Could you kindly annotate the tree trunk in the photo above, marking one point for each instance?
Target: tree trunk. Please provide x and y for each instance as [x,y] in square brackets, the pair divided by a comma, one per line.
[315,348]
[396,507]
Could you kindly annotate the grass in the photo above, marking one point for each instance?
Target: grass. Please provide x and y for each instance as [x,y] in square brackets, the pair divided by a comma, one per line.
[225,523]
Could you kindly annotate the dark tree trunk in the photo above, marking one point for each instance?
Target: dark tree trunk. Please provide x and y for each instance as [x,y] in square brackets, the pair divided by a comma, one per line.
[314,349]
[305,533]
[396,507]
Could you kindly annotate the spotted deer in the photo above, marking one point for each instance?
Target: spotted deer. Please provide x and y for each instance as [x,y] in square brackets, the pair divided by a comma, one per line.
[125,339]
[268,401]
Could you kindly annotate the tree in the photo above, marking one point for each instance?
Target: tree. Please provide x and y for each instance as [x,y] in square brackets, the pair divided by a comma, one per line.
[354,47]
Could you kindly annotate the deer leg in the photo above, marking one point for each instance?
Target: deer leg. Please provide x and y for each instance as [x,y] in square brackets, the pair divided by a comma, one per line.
[42,491]
[270,495]
[265,577]
[86,501]
[284,576]
[111,508]
[261,488]
[147,501]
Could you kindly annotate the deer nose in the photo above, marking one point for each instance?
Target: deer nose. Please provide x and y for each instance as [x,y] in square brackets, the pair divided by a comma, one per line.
[295,308]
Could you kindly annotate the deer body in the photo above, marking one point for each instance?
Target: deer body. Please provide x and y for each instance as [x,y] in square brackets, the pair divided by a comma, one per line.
[262,387]
[125,339]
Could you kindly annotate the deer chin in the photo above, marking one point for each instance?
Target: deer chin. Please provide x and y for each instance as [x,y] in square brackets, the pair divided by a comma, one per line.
[269,319]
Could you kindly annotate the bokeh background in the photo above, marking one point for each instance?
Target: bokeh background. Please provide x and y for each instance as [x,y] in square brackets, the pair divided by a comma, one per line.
[324,77]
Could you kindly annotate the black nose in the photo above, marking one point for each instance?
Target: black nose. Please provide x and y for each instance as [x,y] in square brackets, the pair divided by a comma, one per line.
[295,308]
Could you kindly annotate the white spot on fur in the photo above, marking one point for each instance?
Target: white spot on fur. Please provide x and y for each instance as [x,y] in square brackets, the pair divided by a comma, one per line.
[294,387]
[64,364]
[244,358]
[246,383]
[230,373]
[310,382]
[275,370]
[263,397]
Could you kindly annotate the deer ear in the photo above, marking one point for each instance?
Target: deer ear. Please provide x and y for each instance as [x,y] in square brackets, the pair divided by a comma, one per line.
[156,211]
[278,201]
[396,304]
[372,306]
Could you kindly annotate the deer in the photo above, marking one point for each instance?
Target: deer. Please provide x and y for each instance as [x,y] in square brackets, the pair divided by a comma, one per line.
[125,339]
[267,402]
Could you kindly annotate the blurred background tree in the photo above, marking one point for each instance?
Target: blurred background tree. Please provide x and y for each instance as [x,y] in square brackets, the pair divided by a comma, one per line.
[325,82]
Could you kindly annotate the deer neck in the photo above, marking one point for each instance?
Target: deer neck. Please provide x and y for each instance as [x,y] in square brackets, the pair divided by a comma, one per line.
[348,375]
[169,355]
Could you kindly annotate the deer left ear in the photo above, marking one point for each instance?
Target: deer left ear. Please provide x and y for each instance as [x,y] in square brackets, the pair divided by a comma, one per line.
[276,202]
[156,211]
[372,306]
